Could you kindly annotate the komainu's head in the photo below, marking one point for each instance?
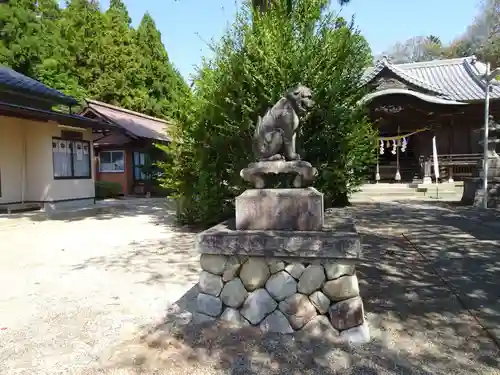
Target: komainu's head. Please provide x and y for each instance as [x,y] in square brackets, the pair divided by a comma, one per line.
[301,99]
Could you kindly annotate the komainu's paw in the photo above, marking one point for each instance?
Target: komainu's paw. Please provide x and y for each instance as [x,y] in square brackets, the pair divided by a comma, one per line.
[273,158]
[293,157]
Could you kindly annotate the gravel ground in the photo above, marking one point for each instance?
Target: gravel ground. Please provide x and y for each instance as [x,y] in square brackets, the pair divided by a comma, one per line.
[111,294]
[70,289]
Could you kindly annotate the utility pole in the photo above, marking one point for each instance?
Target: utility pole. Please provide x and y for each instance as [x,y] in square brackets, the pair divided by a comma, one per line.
[489,77]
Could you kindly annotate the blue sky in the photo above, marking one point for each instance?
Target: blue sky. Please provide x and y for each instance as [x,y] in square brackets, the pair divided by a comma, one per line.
[187,25]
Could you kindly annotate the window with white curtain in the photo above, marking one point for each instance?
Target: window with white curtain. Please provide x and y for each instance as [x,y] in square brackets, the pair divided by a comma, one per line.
[112,161]
[71,159]
[140,160]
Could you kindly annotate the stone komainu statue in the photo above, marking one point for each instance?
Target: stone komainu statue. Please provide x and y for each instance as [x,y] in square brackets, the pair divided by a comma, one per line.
[275,133]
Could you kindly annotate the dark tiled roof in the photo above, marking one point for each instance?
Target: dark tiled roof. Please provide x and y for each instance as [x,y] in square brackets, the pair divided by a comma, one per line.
[454,79]
[111,139]
[12,80]
[18,111]
[134,123]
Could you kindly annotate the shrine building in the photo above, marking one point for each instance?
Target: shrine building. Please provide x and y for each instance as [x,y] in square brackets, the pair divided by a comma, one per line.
[412,103]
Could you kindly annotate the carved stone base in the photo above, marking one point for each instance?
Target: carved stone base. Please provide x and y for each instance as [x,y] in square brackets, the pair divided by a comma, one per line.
[337,239]
[474,193]
[255,172]
[493,167]
[291,282]
[280,209]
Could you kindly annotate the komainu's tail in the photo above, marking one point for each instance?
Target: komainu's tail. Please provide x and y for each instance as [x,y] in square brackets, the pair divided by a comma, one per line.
[257,126]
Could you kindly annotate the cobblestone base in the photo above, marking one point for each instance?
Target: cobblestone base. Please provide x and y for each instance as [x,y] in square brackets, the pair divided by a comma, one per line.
[283,295]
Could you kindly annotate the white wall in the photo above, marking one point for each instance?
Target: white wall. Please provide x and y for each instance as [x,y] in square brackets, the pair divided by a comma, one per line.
[40,183]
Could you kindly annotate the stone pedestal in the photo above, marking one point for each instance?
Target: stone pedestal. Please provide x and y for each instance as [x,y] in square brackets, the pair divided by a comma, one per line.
[474,187]
[284,281]
[427,172]
[278,266]
[280,209]
[474,193]
[256,173]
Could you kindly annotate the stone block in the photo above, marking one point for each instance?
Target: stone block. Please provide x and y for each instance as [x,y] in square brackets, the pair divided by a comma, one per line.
[232,269]
[210,284]
[347,314]
[234,293]
[342,288]
[295,269]
[276,322]
[320,301]
[335,240]
[275,265]
[318,328]
[256,173]
[281,285]
[298,309]
[213,263]
[357,335]
[311,279]
[254,273]
[209,305]
[336,270]
[280,209]
[257,306]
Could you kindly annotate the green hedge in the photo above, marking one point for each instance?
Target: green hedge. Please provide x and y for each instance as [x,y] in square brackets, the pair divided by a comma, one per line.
[105,189]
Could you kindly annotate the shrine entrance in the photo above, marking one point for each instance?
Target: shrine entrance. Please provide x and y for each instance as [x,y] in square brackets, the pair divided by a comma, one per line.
[398,156]
[406,122]
[428,116]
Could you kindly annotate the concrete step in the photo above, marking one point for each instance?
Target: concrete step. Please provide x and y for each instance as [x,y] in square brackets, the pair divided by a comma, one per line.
[423,192]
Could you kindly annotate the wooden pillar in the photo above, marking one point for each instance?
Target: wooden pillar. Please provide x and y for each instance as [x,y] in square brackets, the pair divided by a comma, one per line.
[428,162]
[450,148]
[397,177]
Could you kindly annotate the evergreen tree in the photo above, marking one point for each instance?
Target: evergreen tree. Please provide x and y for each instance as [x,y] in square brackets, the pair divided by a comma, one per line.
[19,36]
[165,86]
[87,53]
[81,30]
[31,43]
[118,80]
[55,67]
[264,5]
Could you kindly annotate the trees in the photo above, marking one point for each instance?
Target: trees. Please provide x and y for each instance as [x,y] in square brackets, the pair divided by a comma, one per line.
[254,63]
[163,84]
[26,28]
[482,37]
[264,5]
[420,48]
[119,79]
[85,52]
[487,32]
[81,27]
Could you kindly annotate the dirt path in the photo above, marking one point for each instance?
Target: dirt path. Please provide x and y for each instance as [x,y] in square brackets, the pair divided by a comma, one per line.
[75,295]
[71,289]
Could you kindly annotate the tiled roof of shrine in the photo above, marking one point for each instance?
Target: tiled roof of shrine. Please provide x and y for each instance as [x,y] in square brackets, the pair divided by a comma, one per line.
[459,79]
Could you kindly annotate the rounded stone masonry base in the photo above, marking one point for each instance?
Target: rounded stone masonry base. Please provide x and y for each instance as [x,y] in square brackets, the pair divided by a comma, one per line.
[284,295]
